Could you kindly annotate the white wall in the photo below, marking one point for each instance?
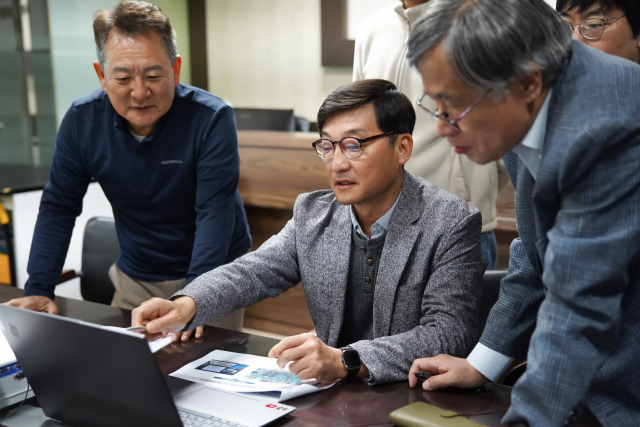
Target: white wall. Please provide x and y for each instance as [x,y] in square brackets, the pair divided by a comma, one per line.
[266,53]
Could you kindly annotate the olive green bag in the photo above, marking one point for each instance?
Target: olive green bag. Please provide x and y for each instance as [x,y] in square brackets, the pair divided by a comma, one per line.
[422,414]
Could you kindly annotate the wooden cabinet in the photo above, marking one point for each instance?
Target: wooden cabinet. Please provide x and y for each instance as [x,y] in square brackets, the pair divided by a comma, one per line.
[275,167]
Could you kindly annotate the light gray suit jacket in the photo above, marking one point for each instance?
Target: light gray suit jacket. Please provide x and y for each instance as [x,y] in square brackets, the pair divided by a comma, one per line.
[426,291]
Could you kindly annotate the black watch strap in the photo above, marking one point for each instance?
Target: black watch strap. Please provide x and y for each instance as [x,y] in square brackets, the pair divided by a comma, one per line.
[351,361]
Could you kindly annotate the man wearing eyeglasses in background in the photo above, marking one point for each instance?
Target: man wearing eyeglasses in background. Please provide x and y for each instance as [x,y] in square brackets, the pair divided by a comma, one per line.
[566,119]
[390,263]
[612,26]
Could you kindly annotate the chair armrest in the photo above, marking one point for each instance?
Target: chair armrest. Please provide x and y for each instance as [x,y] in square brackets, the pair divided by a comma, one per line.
[68,275]
[513,372]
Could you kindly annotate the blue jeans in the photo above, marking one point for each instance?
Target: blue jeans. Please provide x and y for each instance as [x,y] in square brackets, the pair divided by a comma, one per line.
[489,248]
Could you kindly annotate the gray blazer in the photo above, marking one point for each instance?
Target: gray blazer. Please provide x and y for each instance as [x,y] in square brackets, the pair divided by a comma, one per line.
[426,292]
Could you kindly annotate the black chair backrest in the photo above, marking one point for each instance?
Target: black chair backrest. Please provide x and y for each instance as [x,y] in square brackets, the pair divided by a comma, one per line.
[265,119]
[302,124]
[100,248]
[490,291]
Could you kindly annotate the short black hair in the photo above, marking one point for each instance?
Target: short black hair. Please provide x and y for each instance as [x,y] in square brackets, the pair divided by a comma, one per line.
[631,9]
[394,112]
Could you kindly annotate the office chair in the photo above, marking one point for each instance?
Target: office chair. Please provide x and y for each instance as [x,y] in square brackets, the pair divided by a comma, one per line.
[100,248]
[302,124]
[265,119]
[513,373]
[490,290]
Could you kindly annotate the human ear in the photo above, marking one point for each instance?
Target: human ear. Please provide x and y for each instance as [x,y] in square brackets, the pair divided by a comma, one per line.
[176,70]
[404,147]
[100,73]
[530,86]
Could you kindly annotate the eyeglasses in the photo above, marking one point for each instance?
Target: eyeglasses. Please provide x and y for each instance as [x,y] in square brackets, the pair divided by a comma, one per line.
[593,28]
[445,117]
[350,146]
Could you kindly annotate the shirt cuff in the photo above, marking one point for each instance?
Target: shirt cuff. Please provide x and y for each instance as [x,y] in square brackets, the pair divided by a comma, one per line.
[488,362]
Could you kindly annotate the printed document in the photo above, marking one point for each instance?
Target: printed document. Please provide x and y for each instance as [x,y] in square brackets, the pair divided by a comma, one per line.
[245,373]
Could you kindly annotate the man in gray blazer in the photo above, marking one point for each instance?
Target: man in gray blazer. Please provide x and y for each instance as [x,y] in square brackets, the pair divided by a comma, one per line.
[566,118]
[390,264]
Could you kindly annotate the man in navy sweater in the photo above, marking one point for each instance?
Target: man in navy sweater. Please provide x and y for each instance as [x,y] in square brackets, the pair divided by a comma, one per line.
[166,156]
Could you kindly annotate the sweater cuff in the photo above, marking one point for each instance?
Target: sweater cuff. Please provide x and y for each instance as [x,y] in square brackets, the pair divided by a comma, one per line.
[41,291]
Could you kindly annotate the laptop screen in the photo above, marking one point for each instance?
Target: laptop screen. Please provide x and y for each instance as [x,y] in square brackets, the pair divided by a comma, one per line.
[87,375]
[92,375]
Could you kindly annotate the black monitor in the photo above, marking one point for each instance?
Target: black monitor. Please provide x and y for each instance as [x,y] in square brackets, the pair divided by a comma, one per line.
[265,119]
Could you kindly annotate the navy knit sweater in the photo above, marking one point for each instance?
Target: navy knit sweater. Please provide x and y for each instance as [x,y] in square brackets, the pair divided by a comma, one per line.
[174,195]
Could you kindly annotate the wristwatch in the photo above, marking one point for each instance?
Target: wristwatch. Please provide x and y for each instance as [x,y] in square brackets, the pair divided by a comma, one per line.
[351,361]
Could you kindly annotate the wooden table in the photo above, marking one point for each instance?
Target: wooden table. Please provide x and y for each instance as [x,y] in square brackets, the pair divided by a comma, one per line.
[352,403]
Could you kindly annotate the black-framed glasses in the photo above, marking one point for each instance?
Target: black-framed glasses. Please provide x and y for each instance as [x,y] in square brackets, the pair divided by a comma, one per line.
[350,145]
[445,117]
[593,28]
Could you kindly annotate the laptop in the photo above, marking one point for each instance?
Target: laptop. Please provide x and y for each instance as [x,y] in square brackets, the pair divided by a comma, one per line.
[88,375]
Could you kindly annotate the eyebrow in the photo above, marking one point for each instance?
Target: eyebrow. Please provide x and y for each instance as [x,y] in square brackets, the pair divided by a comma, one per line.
[128,70]
[597,11]
[348,132]
[594,11]
[440,96]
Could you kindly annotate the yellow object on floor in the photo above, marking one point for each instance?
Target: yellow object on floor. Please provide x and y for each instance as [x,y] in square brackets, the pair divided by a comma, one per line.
[5,270]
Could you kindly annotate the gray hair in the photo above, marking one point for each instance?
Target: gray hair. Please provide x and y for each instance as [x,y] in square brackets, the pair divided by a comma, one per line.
[132,18]
[490,43]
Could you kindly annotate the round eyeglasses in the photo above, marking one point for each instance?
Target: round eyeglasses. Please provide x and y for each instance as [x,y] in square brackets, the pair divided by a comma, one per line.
[445,117]
[593,28]
[351,146]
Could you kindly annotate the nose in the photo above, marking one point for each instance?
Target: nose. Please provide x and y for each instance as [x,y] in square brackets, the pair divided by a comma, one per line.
[445,129]
[139,90]
[575,32]
[340,162]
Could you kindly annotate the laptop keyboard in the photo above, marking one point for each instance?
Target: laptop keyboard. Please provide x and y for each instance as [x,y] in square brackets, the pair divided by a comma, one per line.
[192,420]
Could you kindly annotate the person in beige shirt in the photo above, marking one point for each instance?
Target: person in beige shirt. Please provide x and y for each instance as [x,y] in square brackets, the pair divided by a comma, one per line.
[380,52]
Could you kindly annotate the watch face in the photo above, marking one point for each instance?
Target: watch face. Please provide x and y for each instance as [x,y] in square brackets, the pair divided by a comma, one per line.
[351,358]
